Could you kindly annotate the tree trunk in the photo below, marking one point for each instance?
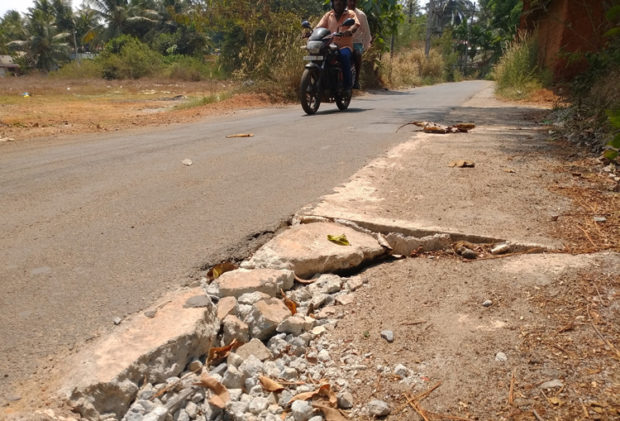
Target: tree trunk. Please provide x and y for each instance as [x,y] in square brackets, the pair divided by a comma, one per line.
[430,18]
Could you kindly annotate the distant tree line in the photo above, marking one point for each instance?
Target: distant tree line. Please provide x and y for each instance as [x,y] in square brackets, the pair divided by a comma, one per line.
[244,36]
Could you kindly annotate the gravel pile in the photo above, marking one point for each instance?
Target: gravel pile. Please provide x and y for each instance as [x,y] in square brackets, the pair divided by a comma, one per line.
[295,354]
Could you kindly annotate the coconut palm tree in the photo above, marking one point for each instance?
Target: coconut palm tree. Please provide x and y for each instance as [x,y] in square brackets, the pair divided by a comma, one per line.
[445,13]
[11,28]
[44,45]
[120,15]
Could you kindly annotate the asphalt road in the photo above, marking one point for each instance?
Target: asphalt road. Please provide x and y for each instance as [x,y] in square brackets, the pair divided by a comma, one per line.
[97,227]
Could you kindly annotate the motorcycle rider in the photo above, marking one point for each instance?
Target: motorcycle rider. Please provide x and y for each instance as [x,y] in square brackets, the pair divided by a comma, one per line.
[333,21]
[361,40]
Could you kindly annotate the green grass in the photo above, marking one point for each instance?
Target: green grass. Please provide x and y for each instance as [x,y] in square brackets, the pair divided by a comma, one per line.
[205,100]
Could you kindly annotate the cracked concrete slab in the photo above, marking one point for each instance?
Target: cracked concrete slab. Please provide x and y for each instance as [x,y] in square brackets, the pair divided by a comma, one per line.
[305,250]
[104,377]
[413,190]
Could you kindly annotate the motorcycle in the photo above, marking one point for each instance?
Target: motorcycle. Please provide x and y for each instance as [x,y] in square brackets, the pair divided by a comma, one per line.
[322,79]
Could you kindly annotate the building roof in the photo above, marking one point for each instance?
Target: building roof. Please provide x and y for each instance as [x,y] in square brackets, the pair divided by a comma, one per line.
[7,62]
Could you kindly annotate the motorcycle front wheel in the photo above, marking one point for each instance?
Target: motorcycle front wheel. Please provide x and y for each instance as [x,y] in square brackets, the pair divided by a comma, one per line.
[309,91]
[343,100]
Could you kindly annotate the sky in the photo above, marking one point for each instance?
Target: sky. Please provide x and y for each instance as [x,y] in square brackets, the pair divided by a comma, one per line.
[22,6]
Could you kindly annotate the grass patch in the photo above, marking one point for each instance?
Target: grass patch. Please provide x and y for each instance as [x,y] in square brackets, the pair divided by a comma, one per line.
[517,74]
[205,100]
[412,68]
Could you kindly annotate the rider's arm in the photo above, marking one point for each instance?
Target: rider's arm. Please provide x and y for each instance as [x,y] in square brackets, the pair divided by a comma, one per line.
[356,25]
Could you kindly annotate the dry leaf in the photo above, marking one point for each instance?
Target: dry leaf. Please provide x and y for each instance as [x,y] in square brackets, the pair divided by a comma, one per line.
[554,400]
[323,390]
[416,252]
[330,414]
[220,268]
[304,281]
[216,354]
[240,135]
[221,395]
[270,385]
[462,164]
[292,305]
[339,239]
[302,397]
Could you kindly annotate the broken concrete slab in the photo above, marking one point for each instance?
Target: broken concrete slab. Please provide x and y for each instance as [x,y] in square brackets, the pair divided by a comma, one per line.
[306,250]
[411,190]
[226,306]
[241,281]
[255,347]
[266,316]
[104,377]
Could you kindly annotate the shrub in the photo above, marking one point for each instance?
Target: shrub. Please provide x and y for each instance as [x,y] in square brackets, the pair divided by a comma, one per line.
[411,68]
[517,73]
[126,57]
[189,68]
[86,69]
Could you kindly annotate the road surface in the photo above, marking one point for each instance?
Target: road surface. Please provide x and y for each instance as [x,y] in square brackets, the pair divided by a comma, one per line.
[97,227]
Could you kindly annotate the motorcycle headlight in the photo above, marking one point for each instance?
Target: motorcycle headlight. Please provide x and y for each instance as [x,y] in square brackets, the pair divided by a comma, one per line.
[314,47]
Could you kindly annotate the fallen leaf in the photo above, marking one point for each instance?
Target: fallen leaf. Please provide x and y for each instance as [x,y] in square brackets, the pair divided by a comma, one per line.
[292,305]
[323,390]
[216,354]
[554,400]
[270,385]
[509,170]
[304,281]
[338,239]
[221,395]
[462,164]
[416,252]
[330,414]
[240,135]
[220,268]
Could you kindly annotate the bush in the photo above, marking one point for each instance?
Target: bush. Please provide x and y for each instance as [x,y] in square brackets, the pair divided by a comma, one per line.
[411,68]
[517,73]
[86,69]
[126,57]
[190,69]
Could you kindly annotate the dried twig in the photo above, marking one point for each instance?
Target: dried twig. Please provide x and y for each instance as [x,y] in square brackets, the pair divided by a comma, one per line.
[538,417]
[423,395]
[609,344]
[587,236]
[417,408]
[419,322]
[511,393]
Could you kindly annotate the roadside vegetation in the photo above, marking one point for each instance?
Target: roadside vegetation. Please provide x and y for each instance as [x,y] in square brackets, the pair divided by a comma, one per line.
[244,46]
[255,44]
[590,110]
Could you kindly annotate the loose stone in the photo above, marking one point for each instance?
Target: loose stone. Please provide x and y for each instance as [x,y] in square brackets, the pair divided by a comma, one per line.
[388,335]
[378,408]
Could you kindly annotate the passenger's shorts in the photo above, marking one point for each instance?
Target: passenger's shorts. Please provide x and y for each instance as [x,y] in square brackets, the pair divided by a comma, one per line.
[359,47]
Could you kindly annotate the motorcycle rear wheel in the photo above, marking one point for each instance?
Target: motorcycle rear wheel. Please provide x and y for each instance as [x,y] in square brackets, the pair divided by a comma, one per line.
[309,91]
